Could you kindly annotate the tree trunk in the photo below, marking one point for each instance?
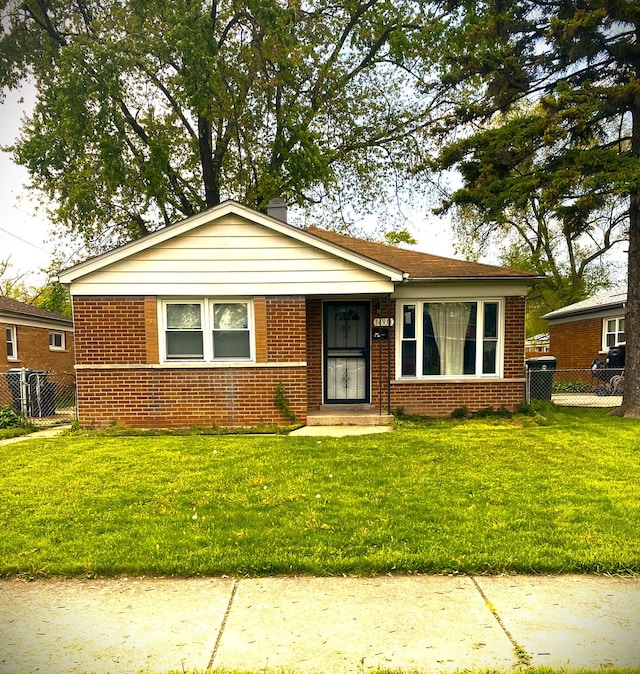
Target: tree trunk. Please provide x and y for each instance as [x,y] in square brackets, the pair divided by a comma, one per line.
[211,185]
[631,399]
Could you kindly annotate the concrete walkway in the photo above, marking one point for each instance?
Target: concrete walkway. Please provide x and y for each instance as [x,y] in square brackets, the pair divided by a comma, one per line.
[331,625]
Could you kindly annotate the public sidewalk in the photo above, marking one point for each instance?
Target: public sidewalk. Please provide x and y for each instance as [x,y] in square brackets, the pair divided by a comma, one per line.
[330,625]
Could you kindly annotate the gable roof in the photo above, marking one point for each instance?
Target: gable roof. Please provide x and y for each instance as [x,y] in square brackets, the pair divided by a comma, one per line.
[612,299]
[419,266]
[396,264]
[11,307]
[215,213]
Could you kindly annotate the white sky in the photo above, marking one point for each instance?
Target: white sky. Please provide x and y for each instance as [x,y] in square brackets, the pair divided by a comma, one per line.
[26,237]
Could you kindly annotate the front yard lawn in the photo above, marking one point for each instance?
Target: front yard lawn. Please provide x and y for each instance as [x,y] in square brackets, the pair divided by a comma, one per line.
[473,496]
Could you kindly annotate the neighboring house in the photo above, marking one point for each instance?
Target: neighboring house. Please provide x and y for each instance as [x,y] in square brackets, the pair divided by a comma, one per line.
[204,321]
[586,330]
[537,345]
[34,338]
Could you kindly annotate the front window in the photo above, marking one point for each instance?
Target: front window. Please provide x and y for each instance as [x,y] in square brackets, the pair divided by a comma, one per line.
[12,346]
[450,338]
[184,336]
[231,330]
[613,333]
[206,330]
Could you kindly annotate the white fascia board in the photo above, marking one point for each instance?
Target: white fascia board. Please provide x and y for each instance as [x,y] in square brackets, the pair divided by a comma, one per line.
[226,208]
[36,322]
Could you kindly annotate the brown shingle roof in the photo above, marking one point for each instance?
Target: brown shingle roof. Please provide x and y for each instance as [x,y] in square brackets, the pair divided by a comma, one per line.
[23,309]
[420,265]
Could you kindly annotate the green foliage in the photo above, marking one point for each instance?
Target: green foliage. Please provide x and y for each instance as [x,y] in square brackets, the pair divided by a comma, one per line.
[11,419]
[150,111]
[571,387]
[281,400]
[460,413]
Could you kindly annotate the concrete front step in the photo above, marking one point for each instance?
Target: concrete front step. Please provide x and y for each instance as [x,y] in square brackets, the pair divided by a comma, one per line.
[348,419]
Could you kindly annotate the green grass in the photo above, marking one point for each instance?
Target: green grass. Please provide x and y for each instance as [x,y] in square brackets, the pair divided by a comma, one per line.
[474,496]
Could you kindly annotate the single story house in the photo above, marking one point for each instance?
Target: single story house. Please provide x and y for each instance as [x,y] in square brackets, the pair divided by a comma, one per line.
[34,338]
[236,318]
[583,331]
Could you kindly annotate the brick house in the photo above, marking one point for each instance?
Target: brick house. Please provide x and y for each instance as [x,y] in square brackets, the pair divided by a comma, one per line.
[39,343]
[581,332]
[34,338]
[201,323]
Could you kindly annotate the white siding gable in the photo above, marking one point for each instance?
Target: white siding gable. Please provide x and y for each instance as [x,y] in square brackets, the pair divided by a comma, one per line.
[231,256]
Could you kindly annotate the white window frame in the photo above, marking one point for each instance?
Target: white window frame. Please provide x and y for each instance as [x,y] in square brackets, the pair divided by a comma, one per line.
[12,338]
[53,334]
[419,338]
[207,319]
[617,332]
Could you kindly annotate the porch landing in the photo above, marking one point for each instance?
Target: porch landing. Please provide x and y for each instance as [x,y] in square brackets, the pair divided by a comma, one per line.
[348,415]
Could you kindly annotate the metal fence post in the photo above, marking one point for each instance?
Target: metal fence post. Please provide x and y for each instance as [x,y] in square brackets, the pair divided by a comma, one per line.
[24,392]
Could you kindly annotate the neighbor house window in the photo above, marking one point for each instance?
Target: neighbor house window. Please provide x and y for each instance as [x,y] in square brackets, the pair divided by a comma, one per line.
[12,343]
[207,330]
[613,332]
[56,340]
[450,338]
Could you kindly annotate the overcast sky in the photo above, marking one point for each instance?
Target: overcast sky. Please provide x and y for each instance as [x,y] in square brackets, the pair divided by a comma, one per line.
[24,236]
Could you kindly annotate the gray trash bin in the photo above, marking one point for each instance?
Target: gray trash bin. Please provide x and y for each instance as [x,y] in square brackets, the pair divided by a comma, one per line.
[540,374]
[13,377]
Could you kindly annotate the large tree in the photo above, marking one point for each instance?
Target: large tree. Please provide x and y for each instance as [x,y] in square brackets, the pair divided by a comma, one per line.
[151,110]
[547,94]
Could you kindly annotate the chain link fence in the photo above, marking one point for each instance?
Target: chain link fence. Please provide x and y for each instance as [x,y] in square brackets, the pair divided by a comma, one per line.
[590,387]
[44,398]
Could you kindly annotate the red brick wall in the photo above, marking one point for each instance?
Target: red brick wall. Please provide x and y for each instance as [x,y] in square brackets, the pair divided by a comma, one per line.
[123,331]
[575,344]
[34,352]
[285,330]
[314,353]
[439,399]
[177,398]
[111,330]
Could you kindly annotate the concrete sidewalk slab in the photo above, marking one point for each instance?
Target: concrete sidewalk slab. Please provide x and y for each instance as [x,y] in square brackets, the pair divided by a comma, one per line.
[124,625]
[39,434]
[570,621]
[350,625]
[329,625]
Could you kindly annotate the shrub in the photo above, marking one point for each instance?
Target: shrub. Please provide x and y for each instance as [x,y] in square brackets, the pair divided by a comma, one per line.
[571,387]
[11,419]
[460,413]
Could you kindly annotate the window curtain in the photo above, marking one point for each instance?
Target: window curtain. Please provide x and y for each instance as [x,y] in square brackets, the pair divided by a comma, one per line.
[450,321]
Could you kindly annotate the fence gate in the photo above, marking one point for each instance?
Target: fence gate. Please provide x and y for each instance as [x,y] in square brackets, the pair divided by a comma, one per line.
[44,398]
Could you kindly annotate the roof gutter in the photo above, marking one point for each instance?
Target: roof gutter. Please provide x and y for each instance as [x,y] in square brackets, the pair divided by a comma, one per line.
[440,279]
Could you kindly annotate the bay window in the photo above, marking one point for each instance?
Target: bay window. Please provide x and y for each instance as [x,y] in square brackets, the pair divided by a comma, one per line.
[445,338]
[206,330]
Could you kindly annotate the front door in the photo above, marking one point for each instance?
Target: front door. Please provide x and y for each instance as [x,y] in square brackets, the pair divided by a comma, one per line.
[346,352]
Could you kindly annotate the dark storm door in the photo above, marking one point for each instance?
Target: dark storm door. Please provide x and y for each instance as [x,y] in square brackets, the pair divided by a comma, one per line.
[346,352]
